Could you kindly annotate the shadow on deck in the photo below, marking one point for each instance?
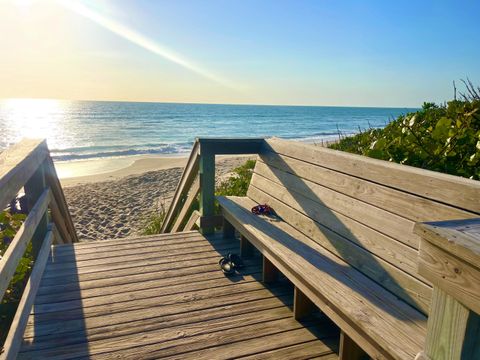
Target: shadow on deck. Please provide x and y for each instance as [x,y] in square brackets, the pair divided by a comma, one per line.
[164,296]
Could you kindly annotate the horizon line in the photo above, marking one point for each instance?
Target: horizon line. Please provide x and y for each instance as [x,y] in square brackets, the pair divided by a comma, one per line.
[208,103]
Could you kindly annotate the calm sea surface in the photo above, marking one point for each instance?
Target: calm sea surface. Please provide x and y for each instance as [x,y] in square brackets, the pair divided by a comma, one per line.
[91,129]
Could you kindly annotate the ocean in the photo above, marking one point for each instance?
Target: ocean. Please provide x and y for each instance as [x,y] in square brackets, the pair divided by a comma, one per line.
[101,129]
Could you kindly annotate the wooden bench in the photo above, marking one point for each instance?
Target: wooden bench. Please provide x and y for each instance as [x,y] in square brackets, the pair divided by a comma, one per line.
[343,234]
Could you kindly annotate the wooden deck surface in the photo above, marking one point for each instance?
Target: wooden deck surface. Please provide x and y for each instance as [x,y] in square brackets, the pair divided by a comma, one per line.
[164,296]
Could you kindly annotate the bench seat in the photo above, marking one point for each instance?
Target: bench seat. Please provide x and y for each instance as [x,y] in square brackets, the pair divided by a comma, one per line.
[378,321]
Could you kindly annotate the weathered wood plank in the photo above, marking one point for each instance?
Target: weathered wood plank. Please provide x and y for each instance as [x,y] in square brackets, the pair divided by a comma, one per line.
[115,252]
[57,192]
[302,305]
[121,259]
[460,238]
[269,271]
[14,339]
[362,308]
[458,278]
[404,204]
[104,323]
[200,281]
[246,248]
[16,249]
[192,221]
[127,243]
[186,207]
[17,165]
[407,287]
[147,302]
[349,350]
[454,190]
[371,239]
[348,206]
[109,283]
[318,349]
[446,327]
[207,186]
[139,262]
[171,323]
[188,176]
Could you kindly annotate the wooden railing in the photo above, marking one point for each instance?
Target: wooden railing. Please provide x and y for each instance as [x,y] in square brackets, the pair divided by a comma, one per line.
[449,257]
[198,181]
[28,165]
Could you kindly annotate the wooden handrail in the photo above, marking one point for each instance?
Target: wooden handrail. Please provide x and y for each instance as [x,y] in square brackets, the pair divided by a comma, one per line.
[28,165]
[188,176]
[199,178]
[19,323]
[17,164]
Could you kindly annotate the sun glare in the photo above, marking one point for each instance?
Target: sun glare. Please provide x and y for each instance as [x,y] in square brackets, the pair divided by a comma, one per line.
[32,118]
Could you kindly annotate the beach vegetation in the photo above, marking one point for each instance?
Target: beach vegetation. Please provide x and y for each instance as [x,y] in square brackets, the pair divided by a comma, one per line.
[154,222]
[438,137]
[10,223]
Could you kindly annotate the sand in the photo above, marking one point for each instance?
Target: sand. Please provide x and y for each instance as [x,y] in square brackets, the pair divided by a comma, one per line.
[119,203]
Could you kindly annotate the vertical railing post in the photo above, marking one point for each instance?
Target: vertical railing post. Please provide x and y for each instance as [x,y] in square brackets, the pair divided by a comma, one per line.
[449,258]
[207,184]
[34,187]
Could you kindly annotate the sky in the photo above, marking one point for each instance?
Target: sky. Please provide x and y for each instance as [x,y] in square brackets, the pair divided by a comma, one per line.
[299,52]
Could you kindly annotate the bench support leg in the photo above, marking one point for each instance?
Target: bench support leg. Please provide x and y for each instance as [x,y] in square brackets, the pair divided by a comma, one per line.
[349,350]
[228,231]
[270,272]
[302,305]
[246,247]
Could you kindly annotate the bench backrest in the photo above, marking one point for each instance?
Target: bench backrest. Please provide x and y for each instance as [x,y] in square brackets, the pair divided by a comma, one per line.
[361,209]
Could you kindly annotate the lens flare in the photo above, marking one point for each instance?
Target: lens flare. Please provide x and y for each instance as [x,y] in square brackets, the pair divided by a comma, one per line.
[141,40]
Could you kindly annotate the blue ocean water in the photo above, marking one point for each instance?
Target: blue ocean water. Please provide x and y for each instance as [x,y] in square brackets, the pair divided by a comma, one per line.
[94,129]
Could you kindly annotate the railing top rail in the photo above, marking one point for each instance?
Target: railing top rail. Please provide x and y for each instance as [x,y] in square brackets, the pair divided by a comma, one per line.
[17,165]
[206,146]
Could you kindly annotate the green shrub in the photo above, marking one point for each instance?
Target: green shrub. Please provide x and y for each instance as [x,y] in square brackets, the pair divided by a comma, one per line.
[9,225]
[155,221]
[237,183]
[443,138]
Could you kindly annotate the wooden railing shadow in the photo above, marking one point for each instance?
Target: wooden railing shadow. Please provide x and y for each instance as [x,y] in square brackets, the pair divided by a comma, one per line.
[202,161]
[314,257]
[58,319]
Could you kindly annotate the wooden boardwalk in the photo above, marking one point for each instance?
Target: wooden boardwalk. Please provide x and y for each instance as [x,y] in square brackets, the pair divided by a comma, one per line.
[164,296]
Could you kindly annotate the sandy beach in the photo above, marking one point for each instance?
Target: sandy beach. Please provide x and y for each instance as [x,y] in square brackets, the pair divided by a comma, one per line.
[114,198]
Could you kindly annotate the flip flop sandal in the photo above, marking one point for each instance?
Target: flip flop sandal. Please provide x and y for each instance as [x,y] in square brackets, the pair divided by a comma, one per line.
[226,266]
[236,260]
[262,210]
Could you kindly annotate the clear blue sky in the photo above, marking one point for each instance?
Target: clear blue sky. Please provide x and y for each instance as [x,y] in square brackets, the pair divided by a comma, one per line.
[365,53]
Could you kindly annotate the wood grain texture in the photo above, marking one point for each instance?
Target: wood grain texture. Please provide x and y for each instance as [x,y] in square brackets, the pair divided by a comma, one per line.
[183,308]
[302,305]
[409,288]
[460,238]
[17,165]
[376,193]
[14,338]
[349,350]
[454,190]
[446,327]
[52,181]
[188,176]
[380,323]
[456,277]
[186,207]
